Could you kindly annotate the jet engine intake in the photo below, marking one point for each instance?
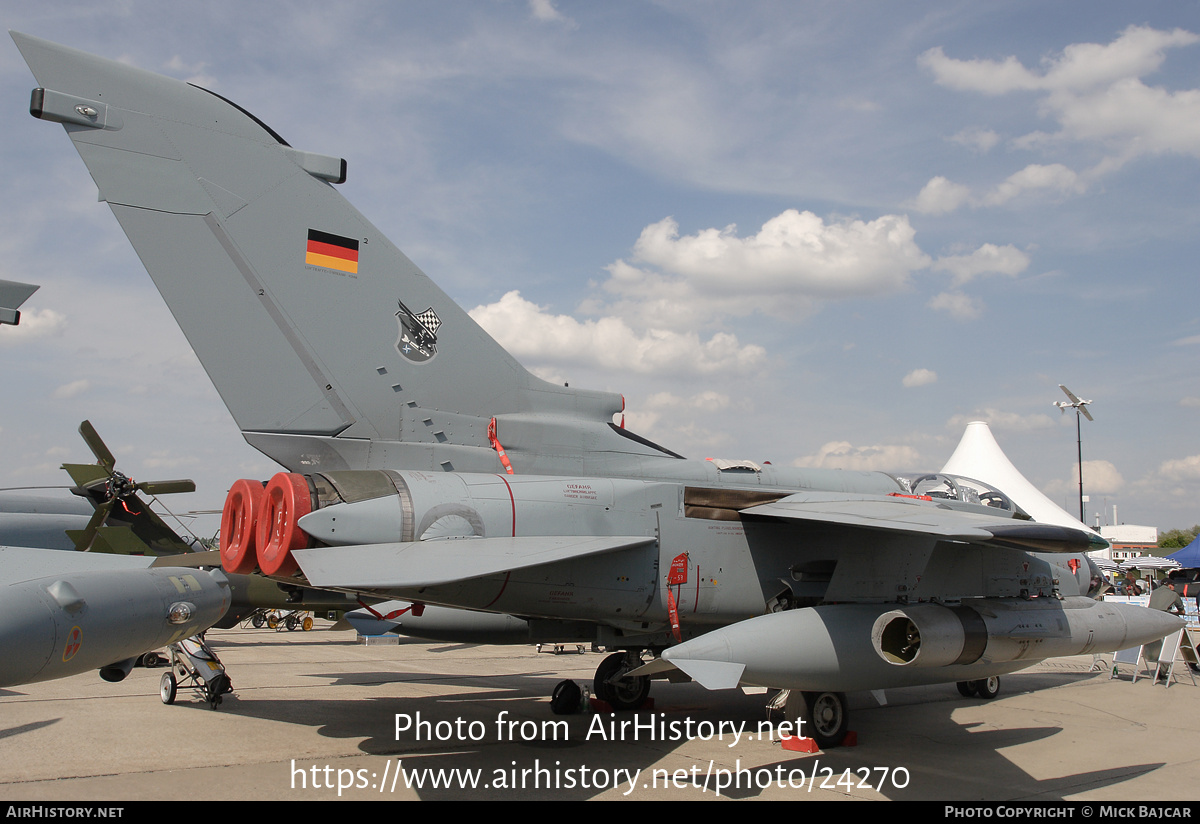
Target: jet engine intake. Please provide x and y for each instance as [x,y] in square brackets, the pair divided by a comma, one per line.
[930,635]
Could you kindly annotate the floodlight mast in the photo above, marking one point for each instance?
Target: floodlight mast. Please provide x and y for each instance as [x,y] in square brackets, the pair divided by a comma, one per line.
[1080,406]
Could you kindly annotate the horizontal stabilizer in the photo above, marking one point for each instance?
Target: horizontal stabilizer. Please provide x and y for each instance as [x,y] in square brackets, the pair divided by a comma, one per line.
[12,295]
[429,563]
[932,518]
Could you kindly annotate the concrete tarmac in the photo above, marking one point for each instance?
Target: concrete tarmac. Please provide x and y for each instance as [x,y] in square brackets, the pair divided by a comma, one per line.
[320,716]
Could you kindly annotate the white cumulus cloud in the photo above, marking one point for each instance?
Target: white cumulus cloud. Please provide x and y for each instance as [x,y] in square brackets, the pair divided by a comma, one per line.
[1096,95]
[1181,469]
[70,390]
[1054,178]
[529,331]
[546,11]
[794,250]
[940,196]
[957,305]
[987,259]
[919,377]
[35,323]
[1099,478]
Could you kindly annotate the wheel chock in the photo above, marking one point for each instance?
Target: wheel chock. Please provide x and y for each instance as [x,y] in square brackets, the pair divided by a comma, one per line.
[808,745]
[796,744]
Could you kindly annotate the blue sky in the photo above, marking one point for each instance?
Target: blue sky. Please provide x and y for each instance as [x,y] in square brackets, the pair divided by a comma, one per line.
[822,234]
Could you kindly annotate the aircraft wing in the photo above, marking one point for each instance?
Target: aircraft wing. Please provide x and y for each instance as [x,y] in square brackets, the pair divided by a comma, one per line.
[924,517]
[429,563]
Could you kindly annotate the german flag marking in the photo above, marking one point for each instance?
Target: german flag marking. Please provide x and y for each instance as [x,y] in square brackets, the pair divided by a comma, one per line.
[332,252]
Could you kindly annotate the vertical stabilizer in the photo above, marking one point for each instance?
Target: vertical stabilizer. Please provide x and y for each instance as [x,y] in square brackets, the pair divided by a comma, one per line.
[310,323]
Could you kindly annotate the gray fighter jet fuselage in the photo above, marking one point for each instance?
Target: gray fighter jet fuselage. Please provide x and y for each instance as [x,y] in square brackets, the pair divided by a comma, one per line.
[427,464]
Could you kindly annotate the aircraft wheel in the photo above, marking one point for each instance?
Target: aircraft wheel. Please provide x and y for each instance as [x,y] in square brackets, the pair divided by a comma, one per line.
[307,624]
[825,716]
[988,688]
[966,688]
[167,687]
[624,693]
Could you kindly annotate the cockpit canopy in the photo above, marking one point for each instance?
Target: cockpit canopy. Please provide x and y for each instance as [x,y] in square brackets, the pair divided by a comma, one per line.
[939,486]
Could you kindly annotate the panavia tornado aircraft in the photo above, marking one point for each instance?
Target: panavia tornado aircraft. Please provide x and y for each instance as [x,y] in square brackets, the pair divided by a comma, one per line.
[426,464]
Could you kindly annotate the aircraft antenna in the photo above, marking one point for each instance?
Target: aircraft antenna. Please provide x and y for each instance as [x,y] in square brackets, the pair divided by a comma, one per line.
[1080,407]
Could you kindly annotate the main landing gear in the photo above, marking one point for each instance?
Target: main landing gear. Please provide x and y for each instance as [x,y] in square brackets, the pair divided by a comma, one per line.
[987,688]
[821,716]
[618,690]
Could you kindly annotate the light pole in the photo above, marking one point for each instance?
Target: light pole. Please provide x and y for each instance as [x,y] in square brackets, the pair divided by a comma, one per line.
[1079,407]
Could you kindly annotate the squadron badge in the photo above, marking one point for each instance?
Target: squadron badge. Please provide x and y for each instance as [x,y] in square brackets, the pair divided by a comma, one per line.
[418,333]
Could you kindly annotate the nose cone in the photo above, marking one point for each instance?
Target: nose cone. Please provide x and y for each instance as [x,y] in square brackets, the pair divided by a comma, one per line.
[27,635]
[1142,625]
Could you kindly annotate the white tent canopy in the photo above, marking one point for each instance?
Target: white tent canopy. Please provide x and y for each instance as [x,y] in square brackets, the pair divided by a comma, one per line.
[978,456]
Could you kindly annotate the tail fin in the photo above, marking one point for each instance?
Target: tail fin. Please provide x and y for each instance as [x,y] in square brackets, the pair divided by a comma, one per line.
[318,333]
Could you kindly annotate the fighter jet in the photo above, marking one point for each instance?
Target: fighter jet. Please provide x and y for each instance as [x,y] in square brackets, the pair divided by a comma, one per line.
[426,464]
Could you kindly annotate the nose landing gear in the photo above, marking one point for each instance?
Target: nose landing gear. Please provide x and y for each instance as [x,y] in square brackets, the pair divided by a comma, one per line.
[618,690]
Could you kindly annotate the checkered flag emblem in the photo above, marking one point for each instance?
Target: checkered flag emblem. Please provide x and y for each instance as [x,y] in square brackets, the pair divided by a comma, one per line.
[430,320]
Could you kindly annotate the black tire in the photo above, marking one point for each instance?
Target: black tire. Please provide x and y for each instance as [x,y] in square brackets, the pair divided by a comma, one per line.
[290,622]
[624,693]
[167,688]
[566,698]
[821,716]
[966,688]
[988,688]
[257,621]
[217,688]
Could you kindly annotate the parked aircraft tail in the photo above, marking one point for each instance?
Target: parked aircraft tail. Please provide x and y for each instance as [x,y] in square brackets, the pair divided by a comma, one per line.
[327,344]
